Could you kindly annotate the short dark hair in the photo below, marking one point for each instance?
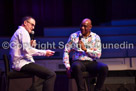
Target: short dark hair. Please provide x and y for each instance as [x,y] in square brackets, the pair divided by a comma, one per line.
[26,18]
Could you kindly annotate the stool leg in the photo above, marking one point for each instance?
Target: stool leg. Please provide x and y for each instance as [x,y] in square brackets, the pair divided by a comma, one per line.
[33,80]
[88,84]
[7,82]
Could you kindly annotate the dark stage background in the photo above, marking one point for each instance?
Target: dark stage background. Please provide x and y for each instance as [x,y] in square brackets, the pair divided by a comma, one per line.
[113,20]
[63,13]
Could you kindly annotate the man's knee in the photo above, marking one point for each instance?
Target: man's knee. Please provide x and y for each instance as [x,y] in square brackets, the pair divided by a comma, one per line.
[104,68]
[76,67]
[53,74]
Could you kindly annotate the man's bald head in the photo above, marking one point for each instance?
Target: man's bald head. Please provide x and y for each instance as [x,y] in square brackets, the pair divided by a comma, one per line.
[87,20]
[85,27]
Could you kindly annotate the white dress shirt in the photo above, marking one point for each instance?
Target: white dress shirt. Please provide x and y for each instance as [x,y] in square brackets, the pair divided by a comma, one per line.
[20,49]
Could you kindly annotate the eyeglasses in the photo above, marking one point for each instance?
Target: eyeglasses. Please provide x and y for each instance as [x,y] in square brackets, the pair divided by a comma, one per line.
[31,24]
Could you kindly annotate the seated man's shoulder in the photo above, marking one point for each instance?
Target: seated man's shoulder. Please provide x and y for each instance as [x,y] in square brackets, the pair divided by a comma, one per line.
[75,34]
[94,34]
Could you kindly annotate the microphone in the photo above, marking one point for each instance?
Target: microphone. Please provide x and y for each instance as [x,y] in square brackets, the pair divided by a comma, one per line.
[33,42]
[80,36]
[32,35]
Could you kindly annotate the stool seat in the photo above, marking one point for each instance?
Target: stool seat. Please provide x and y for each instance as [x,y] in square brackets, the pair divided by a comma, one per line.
[17,74]
[13,74]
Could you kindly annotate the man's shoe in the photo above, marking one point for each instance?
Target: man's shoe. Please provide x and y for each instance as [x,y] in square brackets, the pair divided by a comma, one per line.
[28,90]
[97,90]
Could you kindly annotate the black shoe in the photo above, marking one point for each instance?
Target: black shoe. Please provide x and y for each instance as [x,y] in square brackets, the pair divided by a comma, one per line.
[97,90]
[28,90]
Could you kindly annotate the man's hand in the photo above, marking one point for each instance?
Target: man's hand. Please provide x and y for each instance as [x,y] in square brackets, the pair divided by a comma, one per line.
[68,70]
[82,46]
[33,43]
[49,53]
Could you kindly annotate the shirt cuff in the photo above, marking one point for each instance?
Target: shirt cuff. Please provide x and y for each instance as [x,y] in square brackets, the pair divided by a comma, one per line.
[67,65]
[89,51]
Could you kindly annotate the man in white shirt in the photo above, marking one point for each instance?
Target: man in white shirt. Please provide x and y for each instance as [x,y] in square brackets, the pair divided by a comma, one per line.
[22,54]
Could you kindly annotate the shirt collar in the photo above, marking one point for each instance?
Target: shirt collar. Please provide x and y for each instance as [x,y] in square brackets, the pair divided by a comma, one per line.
[21,27]
[89,34]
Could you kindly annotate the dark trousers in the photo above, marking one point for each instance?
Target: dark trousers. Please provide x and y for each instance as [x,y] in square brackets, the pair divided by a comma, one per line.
[92,67]
[46,77]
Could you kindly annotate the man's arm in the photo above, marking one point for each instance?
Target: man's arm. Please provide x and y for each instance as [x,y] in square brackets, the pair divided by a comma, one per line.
[66,56]
[95,52]
[28,49]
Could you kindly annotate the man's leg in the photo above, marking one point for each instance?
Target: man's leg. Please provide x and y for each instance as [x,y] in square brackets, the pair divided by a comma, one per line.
[46,77]
[77,69]
[98,68]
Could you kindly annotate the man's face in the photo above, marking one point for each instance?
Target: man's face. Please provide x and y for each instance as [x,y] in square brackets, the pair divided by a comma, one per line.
[85,27]
[29,25]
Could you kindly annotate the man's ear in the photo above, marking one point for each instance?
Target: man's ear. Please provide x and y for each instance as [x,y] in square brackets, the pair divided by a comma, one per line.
[90,26]
[25,22]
